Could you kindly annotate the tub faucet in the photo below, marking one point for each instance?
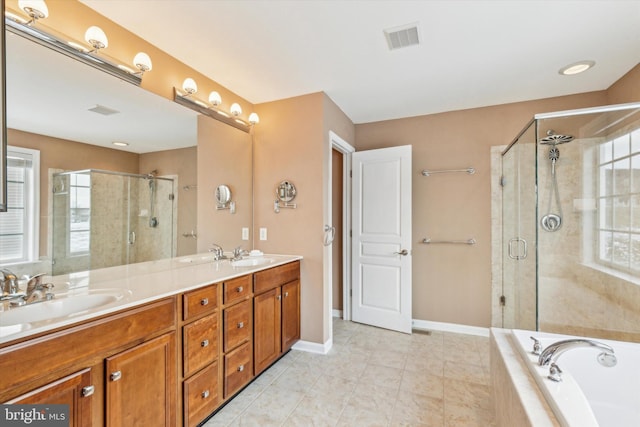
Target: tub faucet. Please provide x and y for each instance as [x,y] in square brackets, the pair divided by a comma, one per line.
[550,355]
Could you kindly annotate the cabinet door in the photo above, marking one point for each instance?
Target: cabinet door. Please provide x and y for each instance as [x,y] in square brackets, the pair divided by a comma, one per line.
[74,390]
[141,385]
[290,314]
[266,334]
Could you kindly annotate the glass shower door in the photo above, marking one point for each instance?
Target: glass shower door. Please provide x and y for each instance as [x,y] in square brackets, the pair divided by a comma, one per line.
[519,296]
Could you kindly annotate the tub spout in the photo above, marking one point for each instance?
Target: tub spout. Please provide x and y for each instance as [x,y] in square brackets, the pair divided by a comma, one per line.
[553,351]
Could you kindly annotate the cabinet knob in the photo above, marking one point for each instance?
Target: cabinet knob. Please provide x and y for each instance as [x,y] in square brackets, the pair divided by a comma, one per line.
[279,297]
[204,301]
[115,376]
[286,294]
[87,391]
[240,325]
[205,394]
[239,289]
[240,368]
[204,343]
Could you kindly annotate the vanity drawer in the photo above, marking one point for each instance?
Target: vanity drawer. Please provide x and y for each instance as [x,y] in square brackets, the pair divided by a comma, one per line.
[237,369]
[200,301]
[237,289]
[200,342]
[237,324]
[273,277]
[201,396]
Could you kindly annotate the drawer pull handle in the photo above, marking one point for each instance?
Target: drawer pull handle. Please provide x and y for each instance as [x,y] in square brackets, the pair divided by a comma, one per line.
[239,289]
[240,325]
[115,376]
[240,368]
[87,391]
[204,343]
[205,394]
[204,301]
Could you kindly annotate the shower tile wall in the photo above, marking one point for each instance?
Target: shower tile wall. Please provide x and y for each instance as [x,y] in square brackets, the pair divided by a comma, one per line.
[575,297]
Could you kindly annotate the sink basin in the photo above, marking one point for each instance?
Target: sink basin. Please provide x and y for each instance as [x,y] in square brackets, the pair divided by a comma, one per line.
[63,305]
[251,262]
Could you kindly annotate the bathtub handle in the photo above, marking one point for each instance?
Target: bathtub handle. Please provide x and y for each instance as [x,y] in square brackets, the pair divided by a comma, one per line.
[537,347]
[555,373]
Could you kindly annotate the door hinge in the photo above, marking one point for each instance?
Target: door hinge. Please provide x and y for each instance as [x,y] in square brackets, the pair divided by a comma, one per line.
[502,181]
[350,174]
[350,233]
[171,196]
[350,292]
[503,300]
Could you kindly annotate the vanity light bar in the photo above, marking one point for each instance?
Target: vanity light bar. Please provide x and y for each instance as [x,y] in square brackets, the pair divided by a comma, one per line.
[195,104]
[51,41]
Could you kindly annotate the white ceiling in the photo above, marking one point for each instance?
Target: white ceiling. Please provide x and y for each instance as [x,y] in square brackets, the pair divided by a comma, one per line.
[473,53]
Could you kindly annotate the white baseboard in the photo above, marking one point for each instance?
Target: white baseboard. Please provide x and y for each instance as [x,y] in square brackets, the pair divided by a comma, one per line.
[450,327]
[336,313]
[313,347]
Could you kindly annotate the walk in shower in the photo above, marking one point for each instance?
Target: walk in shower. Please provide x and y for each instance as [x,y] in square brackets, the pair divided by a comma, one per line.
[103,219]
[571,224]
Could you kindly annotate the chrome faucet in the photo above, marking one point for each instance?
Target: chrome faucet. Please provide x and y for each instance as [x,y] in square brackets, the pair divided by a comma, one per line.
[238,253]
[550,355]
[36,291]
[9,285]
[217,252]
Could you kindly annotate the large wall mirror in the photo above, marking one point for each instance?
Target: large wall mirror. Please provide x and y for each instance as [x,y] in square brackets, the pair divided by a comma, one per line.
[79,201]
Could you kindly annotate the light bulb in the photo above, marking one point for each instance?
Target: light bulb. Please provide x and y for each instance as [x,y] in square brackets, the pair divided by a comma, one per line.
[142,62]
[189,85]
[36,9]
[253,118]
[236,110]
[215,99]
[96,38]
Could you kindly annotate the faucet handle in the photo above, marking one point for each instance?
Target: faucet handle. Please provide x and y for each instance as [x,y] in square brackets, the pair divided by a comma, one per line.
[35,282]
[537,347]
[555,373]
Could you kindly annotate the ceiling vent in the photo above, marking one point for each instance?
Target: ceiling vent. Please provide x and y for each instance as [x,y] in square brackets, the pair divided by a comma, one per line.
[105,111]
[399,37]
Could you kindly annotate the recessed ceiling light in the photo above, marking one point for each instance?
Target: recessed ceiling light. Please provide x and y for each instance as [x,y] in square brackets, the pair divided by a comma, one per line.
[576,68]
[120,143]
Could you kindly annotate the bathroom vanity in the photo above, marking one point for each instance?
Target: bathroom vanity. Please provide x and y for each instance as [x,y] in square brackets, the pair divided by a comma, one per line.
[186,337]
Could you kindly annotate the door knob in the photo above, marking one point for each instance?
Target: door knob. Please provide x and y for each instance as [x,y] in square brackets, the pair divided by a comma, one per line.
[403,252]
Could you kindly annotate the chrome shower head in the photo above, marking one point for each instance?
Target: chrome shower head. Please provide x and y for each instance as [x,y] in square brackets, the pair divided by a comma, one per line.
[554,139]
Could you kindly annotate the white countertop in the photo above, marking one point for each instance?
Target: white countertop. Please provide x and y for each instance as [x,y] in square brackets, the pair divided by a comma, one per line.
[130,285]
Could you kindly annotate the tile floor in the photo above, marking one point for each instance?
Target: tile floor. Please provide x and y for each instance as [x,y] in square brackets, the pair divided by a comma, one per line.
[372,377]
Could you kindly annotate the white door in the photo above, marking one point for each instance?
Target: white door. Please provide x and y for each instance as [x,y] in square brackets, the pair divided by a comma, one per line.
[381,228]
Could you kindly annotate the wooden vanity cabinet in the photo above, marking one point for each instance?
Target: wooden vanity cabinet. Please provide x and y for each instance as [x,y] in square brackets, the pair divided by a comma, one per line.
[276,313]
[201,385]
[105,369]
[237,346]
[141,385]
[75,390]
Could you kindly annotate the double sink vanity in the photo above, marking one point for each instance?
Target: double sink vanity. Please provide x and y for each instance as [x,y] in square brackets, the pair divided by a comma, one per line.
[157,343]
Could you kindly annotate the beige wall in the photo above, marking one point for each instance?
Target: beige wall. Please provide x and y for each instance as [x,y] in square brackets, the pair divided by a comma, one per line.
[626,89]
[224,157]
[182,164]
[289,146]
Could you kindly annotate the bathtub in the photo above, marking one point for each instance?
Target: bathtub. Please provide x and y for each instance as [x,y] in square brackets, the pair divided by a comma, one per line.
[589,393]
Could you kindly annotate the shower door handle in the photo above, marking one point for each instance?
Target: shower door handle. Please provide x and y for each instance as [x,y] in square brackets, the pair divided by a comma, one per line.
[132,237]
[517,242]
